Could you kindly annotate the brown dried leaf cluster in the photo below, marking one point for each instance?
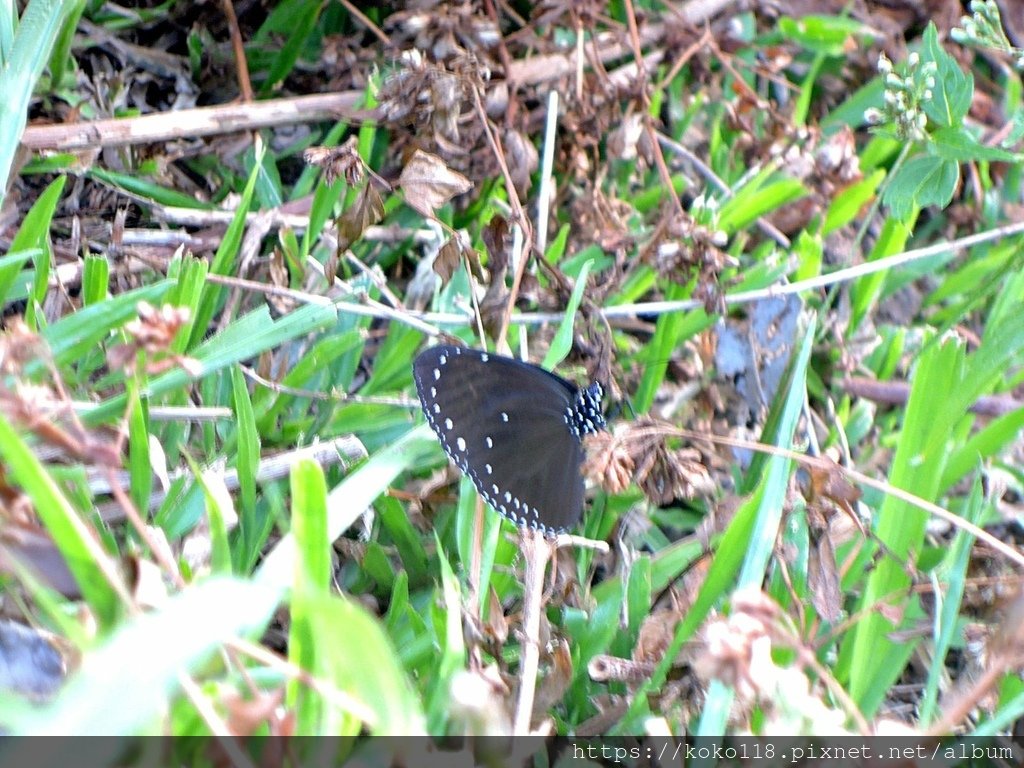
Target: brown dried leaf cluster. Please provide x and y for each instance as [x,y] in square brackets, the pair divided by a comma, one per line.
[641,452]
[153,333]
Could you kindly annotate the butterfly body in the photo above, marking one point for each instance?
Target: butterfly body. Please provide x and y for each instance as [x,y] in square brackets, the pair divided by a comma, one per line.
[514,429]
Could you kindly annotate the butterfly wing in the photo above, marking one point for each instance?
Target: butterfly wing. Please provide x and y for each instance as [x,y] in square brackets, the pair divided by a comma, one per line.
[506,425]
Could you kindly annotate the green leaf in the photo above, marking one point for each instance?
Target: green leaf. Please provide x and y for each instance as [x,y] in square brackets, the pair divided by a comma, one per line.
[295,20]
[865,292]
[740,548]
[851,112]
[219,510]
[959,144]
[829,35]
[870,658]
[758,199]
[246,337]
[953,575]
[848,202]
[224,260]
[452,642]
[74,335]
[954,89]
[248,441]
[95,279]
[922,181]
[353,495]
[33,235]
[562,343]
[62,47]
[355,656]
[312,575]
[23,63]
[140,468]
[141,187]
[667,334]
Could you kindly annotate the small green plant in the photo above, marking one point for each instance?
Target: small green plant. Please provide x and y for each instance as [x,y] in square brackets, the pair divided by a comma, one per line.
[984,29]
[905,97]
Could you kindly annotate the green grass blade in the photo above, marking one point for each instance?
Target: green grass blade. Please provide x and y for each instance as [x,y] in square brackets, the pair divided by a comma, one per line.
[248,336]
[95,279]
[33,238]
[361,661]
[34,38]
[562,342]
[139,467]
[312,576]
[224,260]
[94,571]
[352,496]
[248,443]
[954,571]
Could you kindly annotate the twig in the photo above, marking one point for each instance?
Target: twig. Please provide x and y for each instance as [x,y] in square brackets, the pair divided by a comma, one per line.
[897,393]
[537,551]
[238,48]
[518,215]
[127,507]
[645,101]
[190,123]
[365,21]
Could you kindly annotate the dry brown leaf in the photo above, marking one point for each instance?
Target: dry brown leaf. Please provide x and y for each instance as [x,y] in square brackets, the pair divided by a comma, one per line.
[341,162]
[823,577]
[522,159]
[428,183]
[447,260]
[366,211]
[551,686]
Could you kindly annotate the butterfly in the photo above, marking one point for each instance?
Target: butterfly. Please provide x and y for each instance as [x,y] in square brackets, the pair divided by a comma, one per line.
[516,430]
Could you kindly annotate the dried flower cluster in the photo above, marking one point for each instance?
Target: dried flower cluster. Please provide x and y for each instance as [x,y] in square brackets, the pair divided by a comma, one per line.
[640,452]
